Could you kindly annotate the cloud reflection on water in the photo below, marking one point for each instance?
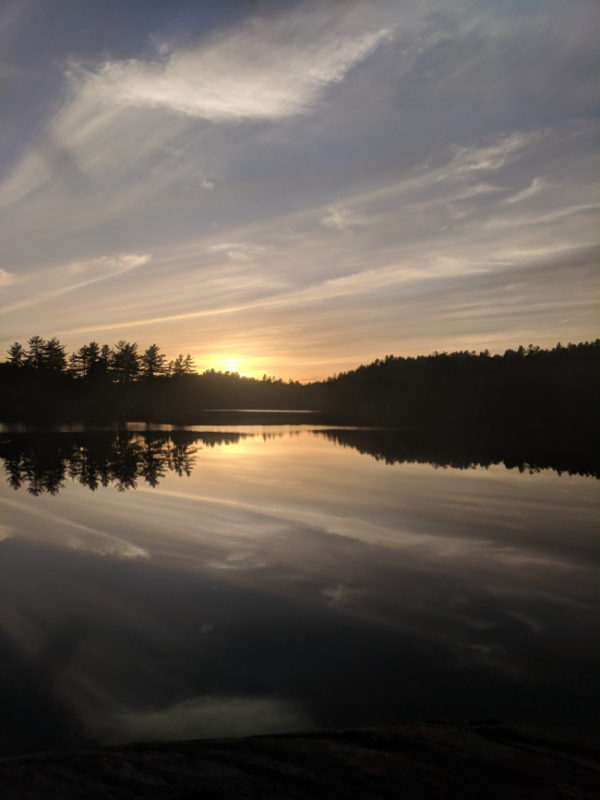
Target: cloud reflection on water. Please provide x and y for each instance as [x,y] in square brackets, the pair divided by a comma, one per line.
[305,584]
[199,717]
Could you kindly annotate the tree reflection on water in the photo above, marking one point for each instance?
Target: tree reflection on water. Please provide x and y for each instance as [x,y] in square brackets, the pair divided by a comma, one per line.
[43,462]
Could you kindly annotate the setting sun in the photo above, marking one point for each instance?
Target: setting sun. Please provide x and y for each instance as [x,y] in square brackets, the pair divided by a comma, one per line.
[226,364]
[299,367]
[231,364]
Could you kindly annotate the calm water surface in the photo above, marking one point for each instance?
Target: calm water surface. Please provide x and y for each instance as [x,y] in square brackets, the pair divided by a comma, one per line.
[251,580]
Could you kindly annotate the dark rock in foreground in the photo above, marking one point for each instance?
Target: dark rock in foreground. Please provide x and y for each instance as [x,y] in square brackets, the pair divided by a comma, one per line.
[481,760]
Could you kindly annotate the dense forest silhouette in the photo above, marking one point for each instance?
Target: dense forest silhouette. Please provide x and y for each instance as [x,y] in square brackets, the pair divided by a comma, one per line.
[550,390]
[97,383]
[45,463]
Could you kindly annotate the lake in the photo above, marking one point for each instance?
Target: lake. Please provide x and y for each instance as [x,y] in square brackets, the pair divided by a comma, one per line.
[162,583]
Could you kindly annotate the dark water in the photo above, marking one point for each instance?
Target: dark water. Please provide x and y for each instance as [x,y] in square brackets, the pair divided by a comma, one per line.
[190,583]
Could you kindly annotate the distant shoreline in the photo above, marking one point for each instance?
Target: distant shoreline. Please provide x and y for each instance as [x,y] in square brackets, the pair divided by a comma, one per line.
[554,390]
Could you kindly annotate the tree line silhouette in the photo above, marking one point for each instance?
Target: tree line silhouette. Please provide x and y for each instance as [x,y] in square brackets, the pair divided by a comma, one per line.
[97,383]
[555,390]
[123,363]
[524,385]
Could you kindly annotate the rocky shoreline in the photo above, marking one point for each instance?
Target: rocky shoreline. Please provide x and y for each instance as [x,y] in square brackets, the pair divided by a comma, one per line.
[434,760]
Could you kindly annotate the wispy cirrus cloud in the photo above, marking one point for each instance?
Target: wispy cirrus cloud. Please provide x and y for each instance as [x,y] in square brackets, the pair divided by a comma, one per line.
[132,129]
[6,278]
[263,71]
[341,218]
[238,251]
[536,185]
[329,178]
[58,281]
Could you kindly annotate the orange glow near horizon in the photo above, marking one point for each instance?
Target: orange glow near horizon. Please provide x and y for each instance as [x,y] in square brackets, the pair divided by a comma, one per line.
[266,216]
[227,363]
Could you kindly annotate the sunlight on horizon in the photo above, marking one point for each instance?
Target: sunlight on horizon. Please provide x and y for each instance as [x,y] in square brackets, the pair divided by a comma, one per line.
[311,195]
[239,364]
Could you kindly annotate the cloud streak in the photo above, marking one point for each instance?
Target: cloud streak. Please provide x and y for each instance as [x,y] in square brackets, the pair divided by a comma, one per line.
[76,276]
[291,174]
[263,71]
[536,185]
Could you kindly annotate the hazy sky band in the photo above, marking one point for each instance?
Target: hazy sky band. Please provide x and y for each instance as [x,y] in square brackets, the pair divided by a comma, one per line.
[300,187]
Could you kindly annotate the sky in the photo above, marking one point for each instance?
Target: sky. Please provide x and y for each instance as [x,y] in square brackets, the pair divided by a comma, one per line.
[296,188]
